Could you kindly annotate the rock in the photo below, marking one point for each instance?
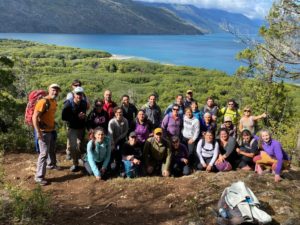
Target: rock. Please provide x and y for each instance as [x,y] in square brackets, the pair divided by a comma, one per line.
[286,210]
[291,221]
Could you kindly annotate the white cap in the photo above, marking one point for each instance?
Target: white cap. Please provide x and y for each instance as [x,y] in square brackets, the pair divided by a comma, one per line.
[78,90]
[55,86]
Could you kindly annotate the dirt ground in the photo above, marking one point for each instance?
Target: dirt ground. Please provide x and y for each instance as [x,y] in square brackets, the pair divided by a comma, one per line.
[79,199]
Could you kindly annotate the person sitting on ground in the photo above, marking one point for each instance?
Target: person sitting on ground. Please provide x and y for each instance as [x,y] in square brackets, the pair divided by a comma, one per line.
[208,124]
[188,98]
[74,113]
[247,150]
[153,111]
[98,154]
[248,121]
[228,152]
[231,110]
[179,162]
[142,127]
[211,108]
[207,151]
[132,156]
[117,131]
[272,156]
[190,134]
[179,103]
[70,95]
[97,117]
[196,113]
[229,126]
[172,123]
[44,125]
[157,154]
[109,104]
[129,109]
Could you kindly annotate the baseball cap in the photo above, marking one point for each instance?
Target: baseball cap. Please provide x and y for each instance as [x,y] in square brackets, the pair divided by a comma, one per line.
[189,91]
[227,118]
[132,134]
[55,86]
[157,130]
[78,90]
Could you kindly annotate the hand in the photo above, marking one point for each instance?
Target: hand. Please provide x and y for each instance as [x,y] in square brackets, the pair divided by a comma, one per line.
[81,115]
[165,173]
[277,178]
[264,115]
[208,168]
[238,151]
[136,161]
[214,118]
[98,178]
[40,136]
[191,141]
[103,170]
[185,161]
[204,165]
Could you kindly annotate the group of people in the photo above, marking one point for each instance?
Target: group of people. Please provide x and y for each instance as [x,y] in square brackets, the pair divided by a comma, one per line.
[124,140]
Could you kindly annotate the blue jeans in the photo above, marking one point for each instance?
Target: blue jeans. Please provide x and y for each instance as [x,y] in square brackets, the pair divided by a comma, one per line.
[131,170]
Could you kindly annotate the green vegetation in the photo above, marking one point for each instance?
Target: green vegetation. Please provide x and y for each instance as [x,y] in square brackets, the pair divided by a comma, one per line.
[37,66]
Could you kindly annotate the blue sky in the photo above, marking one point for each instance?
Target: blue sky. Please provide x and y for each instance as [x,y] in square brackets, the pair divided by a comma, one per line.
[250,8]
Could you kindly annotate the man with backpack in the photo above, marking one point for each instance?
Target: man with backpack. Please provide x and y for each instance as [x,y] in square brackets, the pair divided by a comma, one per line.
[44,124]
[231,110]
[74,113]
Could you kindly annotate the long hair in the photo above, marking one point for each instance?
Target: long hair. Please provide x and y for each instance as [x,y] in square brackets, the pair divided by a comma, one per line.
[260,141]
[97,129]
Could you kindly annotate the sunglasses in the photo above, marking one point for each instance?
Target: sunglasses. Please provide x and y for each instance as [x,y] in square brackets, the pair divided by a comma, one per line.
[247,111]
[175,109]
[79,93]
[76,85]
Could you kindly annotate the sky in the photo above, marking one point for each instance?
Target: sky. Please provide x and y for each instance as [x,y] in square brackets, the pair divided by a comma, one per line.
[250,8]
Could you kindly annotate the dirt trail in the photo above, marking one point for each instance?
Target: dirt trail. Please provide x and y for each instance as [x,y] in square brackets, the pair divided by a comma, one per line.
[79,199]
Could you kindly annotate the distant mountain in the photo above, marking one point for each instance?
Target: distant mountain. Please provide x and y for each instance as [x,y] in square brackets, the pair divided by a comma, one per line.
[89,16]
[210,20]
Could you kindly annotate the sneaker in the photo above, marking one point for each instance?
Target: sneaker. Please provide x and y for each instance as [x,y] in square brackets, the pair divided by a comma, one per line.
[41,181]
[74,168]
[54,167]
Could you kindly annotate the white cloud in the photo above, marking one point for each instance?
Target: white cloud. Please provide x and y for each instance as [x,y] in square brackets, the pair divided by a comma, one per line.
[250,8]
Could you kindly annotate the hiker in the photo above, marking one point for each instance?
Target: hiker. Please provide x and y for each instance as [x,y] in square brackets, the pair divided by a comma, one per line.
[153,111]
[172,123]
[247,150]
[272,156]
[248,121]
[231,110]
[208,124]
[196,113]
[74,113]
[117,130]
[188,98]
[142,127]
[190,134]
[157,154]
[179,103]
[129,109]
[44,125]
[109,105]
[70,95]
[98,154]
[228,152]
[132,156]
[211,107]
[229,126]
[98,117]
[207,151]
[179,161]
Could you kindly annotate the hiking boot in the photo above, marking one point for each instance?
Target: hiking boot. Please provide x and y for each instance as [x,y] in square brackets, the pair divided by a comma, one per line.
[41,181]
[74,168]
[54,167]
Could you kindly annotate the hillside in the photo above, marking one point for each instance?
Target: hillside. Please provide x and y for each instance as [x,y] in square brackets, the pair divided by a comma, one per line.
[211,20]
[93,16]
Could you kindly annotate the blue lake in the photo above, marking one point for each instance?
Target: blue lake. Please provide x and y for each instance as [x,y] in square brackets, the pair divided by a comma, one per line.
[213,51]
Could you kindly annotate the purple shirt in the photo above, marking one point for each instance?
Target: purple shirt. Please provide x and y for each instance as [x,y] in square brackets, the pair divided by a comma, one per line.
[142,131]
[171,126]
[274,149]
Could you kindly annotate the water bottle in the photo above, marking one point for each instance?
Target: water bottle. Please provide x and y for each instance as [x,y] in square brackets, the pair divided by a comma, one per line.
[223,213]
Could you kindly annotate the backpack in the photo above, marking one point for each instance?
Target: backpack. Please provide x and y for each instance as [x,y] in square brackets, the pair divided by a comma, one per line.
[239,205]
[33,98]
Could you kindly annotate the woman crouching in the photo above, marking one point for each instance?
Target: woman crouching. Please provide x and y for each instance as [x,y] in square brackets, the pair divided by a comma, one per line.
[98,154]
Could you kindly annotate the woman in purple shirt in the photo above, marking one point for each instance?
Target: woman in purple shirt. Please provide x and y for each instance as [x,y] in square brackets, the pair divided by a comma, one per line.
[272,155]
